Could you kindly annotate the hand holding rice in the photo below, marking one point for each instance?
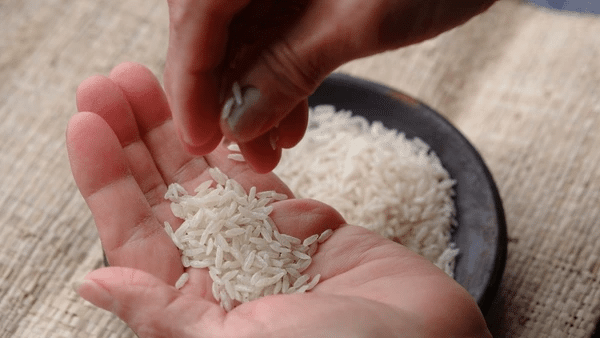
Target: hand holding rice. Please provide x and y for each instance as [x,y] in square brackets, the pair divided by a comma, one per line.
[368,285]
[374,176]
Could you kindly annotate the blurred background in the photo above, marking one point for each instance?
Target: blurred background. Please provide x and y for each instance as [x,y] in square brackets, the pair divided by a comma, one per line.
[521,82]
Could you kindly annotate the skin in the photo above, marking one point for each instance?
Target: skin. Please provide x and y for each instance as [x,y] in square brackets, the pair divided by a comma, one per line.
[123,156]
[284,51]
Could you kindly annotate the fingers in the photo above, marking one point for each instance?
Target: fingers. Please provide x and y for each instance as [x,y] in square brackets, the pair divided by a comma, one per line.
[261,154]
[292,128]
[264,152]
[198,36]
[198,32]
[284,75]
[95,154]
[143,93]
[194,102]
[104,97]
[151,111]
[130,234]
[145,99]
[146,102]
[151,307]
[328,34]
[282,87]
[281,68]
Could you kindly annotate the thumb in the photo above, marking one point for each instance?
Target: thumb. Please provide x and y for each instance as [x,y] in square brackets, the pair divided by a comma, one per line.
[150,307]
[276,83]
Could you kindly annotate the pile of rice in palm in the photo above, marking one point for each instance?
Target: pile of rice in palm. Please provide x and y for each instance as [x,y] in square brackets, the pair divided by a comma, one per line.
[228,231]
[373,176]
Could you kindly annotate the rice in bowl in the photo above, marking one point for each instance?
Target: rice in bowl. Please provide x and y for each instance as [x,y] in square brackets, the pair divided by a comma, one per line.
[376,178]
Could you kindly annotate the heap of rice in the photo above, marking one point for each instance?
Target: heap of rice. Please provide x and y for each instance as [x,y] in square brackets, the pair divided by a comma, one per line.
[375,178]
[229,231]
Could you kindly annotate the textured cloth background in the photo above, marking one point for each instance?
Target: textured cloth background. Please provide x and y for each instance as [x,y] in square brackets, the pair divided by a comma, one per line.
[521,82]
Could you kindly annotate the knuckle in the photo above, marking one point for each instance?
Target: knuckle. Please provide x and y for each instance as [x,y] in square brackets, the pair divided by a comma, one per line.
[297,76]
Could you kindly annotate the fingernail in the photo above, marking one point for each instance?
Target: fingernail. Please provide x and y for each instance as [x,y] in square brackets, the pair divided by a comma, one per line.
[233,111]
[198,147]
[94,293]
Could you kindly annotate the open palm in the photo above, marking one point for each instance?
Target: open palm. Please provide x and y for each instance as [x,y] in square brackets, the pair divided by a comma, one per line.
[124,154]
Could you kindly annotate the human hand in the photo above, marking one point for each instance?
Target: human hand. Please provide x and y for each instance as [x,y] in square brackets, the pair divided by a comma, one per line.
[123,155]
[279,52]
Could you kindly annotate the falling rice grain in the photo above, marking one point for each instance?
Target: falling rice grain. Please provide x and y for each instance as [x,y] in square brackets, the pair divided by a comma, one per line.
[182,280]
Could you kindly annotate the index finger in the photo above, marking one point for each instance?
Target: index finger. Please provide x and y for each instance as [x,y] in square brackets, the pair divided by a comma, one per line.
[198,35]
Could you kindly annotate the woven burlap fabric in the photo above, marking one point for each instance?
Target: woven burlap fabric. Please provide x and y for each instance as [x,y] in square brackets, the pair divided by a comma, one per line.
[522,84]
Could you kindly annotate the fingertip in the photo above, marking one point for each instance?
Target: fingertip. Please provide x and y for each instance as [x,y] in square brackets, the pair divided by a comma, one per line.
[94,153]
[199,146]
[264,152]
[128,67]
[83,129]
[93,292]
[78,126]
[266,165]
[139,82]
[292,128]
[86,91]
[260,154]
[195,111]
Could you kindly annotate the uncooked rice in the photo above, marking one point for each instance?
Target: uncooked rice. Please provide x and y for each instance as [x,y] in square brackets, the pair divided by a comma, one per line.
[229,232]
[377,178]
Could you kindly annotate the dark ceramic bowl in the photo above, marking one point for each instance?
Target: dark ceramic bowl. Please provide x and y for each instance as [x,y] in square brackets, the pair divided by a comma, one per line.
[481,232]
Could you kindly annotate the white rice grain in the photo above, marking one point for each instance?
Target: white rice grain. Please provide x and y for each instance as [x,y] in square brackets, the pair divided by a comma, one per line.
[310,240]
[325,235]
[236,157]
[233,147]
[182,280]
[300,255]
[314,281]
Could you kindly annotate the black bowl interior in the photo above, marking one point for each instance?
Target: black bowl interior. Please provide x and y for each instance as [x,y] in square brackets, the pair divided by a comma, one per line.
[481,232]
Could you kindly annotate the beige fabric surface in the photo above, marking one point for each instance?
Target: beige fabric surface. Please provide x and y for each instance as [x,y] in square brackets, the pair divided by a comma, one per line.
[522,84]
